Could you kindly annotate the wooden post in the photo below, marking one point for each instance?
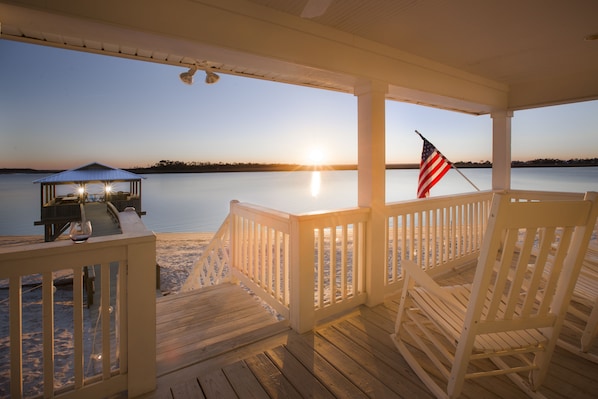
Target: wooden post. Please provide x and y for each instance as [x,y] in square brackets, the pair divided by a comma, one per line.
[141,311]
[302,312]
[371,176]
[501,150]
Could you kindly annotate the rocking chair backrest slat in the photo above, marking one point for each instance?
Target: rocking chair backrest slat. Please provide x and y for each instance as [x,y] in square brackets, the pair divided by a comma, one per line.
[524,263]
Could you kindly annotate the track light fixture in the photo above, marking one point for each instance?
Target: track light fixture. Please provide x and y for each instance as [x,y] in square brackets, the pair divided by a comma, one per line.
[187,77]
[211,77]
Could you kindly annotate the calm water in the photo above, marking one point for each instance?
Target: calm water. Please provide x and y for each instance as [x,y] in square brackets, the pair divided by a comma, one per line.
[199,202]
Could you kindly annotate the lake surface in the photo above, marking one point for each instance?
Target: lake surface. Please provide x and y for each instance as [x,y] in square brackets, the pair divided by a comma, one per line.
[199,202]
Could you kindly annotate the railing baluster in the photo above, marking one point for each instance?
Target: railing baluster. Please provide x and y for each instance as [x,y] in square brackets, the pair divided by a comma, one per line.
[79,358]
[287,270]
[344,264]
[16,336]
[123,315]
[359,267]
[48,332]
[320,268]
[333,263]
[261,261]
[277,266]
[105,317]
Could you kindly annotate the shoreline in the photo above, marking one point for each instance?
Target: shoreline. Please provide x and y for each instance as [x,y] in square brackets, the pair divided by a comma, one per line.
[232,168]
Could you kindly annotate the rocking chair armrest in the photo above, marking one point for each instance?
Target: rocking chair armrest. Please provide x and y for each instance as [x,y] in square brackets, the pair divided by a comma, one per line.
[422,279]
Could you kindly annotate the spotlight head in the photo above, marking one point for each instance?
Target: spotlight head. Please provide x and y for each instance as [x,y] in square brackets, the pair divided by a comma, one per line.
[187,77]
[211,77]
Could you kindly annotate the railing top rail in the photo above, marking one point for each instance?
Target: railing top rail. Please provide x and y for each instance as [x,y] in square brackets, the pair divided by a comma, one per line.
[246,209]
[539,195]
[134,231]
[435,202]
[334,218]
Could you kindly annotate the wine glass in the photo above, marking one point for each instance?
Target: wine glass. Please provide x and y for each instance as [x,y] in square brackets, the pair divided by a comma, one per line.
[80,231]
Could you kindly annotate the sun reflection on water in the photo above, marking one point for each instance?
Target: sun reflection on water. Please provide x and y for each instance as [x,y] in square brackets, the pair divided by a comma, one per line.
[316,182]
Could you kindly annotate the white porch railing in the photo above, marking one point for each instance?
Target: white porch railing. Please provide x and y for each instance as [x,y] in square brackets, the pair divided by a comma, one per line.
[261,252]
[436,233]
[321,271]
[88,353]
[311,267]
[328,255]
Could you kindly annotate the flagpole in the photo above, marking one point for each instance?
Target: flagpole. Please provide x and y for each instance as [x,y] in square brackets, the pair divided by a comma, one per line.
[454,167]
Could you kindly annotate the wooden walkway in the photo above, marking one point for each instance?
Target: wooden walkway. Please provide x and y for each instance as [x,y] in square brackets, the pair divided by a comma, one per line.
[215,345]
[102,223]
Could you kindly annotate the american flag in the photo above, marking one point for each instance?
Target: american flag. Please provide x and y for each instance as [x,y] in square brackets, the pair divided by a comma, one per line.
[432,168]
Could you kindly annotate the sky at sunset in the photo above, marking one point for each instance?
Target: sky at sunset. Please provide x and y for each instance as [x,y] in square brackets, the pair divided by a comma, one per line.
[61,109]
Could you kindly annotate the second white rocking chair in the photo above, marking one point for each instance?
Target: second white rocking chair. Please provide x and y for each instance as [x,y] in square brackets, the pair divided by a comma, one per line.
[507,321]
[582,315]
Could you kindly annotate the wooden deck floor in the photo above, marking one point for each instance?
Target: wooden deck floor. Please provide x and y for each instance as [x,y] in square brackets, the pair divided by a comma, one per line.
[247,355]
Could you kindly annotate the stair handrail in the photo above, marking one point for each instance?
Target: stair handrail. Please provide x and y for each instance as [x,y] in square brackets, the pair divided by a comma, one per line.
[213,265]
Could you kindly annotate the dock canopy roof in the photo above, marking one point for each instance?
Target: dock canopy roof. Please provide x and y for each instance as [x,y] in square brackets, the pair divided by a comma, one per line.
[93,172]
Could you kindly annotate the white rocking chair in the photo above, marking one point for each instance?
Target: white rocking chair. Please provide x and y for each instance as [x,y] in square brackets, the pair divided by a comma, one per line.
[508,320]
[582,314]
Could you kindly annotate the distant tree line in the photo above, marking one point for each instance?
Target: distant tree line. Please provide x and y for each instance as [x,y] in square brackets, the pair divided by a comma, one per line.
[166,166]
[557,162]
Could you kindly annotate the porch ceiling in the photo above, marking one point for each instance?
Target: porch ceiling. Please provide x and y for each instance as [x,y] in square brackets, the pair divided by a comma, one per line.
[468,55]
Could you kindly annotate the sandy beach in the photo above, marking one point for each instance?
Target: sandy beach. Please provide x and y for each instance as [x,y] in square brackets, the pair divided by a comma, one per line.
[176,253]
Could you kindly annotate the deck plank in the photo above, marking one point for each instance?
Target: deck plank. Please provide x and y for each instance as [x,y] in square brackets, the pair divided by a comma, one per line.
[187,389]
[349,357]
[334,380]
[216,385]
[384,358]
[304,381]
[350,368]
[271,378]
[245,384]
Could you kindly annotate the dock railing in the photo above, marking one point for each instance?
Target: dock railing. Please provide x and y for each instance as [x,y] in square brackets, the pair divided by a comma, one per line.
[57,347]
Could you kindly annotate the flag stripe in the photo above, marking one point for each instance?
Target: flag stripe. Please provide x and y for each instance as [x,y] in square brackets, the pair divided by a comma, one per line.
[433,167]
[431,180]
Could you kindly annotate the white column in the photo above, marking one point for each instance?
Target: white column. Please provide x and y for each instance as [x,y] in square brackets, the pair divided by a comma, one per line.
[501,150]
[371,178]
